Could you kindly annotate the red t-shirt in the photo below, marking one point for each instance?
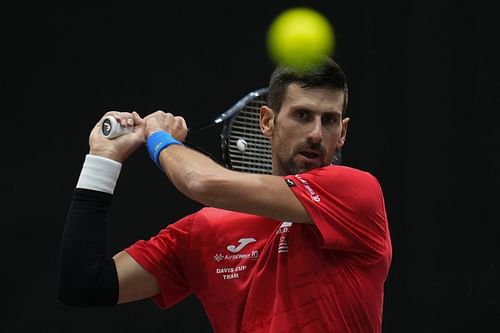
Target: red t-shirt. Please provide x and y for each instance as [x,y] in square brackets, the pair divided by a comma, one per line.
[254,274]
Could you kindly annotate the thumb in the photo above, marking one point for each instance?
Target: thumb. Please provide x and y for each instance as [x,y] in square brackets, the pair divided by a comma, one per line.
[137,119]
[139,125]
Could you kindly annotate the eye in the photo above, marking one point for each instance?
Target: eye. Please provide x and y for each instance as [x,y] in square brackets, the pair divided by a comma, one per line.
[302,115]
[329,119]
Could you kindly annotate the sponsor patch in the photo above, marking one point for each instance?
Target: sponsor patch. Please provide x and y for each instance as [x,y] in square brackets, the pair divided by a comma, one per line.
[309,189]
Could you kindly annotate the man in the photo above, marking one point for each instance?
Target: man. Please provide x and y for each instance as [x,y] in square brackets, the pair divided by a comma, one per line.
[306,249]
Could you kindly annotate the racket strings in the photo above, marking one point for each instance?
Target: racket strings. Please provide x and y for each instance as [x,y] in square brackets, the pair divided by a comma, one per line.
[249,149]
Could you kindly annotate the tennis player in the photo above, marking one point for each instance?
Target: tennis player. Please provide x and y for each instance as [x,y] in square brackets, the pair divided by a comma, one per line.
[306,249]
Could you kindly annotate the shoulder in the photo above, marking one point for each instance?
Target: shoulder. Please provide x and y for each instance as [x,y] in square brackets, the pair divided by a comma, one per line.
[336,183]
[338,175]
[332,170]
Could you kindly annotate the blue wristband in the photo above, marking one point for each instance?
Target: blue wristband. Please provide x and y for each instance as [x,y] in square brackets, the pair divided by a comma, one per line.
[158,141]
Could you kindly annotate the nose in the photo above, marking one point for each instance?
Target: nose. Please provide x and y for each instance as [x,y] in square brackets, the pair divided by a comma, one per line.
[315,134]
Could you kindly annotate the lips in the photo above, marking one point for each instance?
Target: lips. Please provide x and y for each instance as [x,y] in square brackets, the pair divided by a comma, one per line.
[311,155]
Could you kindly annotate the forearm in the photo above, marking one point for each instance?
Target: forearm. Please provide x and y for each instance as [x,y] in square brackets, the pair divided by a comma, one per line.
[193,173]
[87,276]
[205,181]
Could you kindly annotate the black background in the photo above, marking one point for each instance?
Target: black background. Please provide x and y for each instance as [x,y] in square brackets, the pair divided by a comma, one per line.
[424,80]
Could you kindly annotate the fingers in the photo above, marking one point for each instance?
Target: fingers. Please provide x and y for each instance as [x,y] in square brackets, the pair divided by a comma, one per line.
[181,132]
[119,147]
[125,119]
[159,120]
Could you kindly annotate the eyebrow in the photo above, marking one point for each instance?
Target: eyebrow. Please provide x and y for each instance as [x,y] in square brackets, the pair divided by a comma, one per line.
[306,109]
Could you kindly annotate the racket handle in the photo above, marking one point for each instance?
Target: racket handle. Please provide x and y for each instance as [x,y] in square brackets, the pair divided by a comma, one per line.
[110,128]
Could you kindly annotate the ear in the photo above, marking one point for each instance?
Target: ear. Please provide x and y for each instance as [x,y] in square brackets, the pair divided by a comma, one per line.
[266,121]
[343,133]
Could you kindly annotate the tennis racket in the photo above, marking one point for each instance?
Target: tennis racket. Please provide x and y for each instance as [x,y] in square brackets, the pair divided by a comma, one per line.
[243,146]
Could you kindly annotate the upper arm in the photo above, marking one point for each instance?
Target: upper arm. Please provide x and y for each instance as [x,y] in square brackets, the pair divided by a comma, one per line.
[134,282]
[262,195]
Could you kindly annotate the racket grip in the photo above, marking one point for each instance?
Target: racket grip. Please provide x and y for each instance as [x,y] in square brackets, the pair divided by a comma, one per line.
[110,128]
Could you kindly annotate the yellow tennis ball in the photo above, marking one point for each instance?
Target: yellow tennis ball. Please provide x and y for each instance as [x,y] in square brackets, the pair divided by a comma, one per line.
[299,36]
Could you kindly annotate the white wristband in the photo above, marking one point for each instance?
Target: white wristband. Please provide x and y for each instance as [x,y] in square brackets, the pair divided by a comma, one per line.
[99,174]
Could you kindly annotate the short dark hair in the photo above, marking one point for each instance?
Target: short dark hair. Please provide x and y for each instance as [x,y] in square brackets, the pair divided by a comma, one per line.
[326,73]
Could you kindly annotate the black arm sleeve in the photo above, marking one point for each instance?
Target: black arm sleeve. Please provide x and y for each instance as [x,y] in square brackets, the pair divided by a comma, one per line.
[87,277]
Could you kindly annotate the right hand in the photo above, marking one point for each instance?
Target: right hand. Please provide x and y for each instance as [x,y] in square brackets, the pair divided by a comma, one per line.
[120,148]
[161,121]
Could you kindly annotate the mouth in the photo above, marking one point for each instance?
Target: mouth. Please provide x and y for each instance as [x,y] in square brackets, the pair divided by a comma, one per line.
[310,156]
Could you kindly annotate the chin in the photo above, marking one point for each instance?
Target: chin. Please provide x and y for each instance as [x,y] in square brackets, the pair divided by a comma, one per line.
[295,169]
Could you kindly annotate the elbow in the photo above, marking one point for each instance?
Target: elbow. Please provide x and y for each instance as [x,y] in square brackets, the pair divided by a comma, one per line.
[207,190]
[70,289]
[85,288]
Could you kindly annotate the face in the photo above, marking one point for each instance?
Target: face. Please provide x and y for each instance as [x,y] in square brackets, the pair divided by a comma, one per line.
[308,129]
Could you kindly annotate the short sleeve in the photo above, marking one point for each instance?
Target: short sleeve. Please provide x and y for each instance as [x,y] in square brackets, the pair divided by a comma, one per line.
[161,256]
[346,205]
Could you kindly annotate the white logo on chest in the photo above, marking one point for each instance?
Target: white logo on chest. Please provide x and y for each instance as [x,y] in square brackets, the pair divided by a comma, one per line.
[243,242]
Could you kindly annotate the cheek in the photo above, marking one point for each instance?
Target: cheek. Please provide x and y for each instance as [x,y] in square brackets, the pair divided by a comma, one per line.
[286,139]
[332,141]
[336,133]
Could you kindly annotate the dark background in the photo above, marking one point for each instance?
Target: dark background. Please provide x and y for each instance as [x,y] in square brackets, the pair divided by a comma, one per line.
[424,80]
